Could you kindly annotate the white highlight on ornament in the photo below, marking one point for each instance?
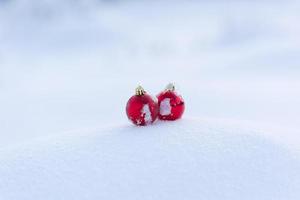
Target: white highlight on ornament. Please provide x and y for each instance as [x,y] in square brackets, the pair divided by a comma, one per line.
[154,98]
[165,107]
[146,111]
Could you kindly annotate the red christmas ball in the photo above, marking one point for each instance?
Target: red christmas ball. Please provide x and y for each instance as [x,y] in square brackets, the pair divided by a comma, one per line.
[171,105]
[141,108]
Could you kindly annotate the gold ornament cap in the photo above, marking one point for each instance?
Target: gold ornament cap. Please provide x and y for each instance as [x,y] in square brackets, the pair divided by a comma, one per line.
[139,91]
[170,87]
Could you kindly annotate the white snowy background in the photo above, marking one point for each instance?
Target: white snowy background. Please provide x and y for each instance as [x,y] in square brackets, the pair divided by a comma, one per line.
[67,69]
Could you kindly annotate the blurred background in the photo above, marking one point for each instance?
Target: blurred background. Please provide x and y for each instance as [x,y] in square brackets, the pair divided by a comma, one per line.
[72,65]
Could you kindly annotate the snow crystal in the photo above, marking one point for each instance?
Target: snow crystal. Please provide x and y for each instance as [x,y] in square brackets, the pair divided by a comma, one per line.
[138,122]
[165,107]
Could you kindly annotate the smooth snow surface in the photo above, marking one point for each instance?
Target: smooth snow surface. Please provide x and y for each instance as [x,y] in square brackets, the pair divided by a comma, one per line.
[71,66]
[188,159]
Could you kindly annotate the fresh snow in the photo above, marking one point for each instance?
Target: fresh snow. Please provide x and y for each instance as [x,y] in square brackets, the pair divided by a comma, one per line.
[73,65]
[187,159]
[165,107]
[147,114]
[67,69]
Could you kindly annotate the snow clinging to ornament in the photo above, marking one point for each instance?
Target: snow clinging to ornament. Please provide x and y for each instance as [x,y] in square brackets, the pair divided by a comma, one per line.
[171,105]
[142,109]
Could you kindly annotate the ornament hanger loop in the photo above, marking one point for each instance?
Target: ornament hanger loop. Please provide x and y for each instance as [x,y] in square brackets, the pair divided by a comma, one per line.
[170,87]
[139,91]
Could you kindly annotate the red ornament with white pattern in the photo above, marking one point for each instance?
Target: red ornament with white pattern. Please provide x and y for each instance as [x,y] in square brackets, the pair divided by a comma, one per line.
[171,105]
[141,108]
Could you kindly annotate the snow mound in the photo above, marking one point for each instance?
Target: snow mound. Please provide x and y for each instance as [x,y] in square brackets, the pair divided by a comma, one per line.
[187,159]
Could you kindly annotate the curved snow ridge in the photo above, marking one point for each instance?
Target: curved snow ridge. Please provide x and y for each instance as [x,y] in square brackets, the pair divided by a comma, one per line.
[74,138]
[187,159]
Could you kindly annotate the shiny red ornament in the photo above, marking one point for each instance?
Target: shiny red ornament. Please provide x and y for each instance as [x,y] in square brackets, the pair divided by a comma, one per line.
[141,108]
[171,105]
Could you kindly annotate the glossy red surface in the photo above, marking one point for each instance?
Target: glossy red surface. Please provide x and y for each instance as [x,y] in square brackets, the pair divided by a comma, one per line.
[137,113]
[176,105]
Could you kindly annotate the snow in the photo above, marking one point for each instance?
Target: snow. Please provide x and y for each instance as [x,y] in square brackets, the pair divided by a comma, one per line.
[68,66]
[67,69]
[165,107]
[147,114]
[187,159]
